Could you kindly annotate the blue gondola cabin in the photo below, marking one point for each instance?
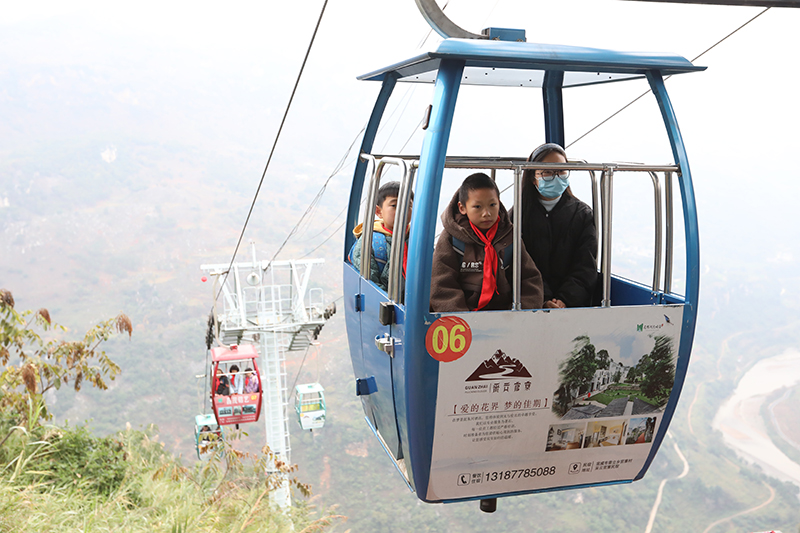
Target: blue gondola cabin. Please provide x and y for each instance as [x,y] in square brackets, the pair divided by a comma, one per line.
[483,404]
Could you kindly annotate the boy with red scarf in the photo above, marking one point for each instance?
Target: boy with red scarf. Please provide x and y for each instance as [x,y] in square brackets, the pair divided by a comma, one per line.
[477,279]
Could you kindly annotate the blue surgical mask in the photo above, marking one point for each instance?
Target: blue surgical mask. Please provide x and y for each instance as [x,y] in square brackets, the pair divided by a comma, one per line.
[553,188]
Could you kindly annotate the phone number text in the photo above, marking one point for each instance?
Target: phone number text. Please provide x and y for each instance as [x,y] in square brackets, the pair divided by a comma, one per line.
[521,473]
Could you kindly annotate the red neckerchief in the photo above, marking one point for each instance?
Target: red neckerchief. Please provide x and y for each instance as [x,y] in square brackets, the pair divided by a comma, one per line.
[489,286]
[405,249]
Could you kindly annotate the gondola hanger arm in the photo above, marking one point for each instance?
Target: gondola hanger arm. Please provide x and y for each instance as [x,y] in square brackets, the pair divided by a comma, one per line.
[442,25]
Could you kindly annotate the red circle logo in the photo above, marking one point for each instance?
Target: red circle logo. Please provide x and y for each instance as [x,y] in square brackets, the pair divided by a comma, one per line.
[448,338]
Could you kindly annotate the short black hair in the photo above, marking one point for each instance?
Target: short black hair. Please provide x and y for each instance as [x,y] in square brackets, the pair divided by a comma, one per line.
[475,182]
[234,367]
[390,189]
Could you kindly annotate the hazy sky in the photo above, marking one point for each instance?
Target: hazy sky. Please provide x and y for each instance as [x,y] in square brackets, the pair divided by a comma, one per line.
[738,118]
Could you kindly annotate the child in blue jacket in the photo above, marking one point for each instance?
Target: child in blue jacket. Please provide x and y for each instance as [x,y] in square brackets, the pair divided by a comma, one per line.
[385,208]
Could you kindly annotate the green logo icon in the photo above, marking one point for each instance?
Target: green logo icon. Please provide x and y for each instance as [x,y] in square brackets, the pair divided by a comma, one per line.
[639,327]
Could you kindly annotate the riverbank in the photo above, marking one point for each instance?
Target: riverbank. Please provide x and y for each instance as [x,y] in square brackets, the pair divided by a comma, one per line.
[739,418]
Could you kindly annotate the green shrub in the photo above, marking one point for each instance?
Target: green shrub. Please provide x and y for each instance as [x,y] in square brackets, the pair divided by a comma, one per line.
[87,462]
[50,457]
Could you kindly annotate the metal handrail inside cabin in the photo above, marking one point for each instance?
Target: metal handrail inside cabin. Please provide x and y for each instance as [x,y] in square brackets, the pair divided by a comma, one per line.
[410,163]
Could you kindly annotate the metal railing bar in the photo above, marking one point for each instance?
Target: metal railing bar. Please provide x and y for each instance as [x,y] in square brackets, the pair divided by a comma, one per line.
[512,163]
[657,250]
[399,232]
[517,252]
[369,215]
[668,204]
[606,197]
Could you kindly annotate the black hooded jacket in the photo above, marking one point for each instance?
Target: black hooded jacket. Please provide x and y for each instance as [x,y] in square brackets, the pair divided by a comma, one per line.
[563,244]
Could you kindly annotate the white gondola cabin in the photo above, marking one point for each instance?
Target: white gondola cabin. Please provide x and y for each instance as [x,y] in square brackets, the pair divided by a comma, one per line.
[309,405]
[207,434]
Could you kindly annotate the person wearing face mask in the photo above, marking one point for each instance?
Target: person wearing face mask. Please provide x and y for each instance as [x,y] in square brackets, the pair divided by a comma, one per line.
[559,232]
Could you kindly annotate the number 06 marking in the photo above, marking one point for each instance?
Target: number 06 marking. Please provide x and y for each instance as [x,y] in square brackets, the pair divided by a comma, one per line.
[448,339]
[457,340]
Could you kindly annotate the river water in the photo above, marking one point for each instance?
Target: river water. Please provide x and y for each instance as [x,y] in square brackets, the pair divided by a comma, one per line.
[739,418]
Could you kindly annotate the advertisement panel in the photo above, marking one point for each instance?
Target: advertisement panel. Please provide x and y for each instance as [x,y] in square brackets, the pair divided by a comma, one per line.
[312,419]
[544,399]
[237,408]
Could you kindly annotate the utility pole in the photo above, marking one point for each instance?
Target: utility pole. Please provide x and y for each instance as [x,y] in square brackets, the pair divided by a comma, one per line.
[270,305]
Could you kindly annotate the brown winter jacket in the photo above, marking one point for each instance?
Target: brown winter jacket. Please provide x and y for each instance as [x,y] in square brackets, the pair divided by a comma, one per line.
[456,281]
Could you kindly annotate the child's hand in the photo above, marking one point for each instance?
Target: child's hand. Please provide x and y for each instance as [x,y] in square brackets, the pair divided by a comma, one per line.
[555,303]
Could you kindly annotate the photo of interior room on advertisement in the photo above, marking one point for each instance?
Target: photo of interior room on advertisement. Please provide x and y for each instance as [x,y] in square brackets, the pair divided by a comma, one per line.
[621,377]
[565,437]
[641,430]
[602,433]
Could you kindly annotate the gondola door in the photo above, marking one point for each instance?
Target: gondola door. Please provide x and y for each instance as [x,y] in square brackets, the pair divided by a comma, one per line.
[369,338]
[377,312]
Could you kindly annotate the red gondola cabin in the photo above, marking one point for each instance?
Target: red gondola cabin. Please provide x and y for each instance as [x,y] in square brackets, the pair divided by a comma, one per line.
[235,384]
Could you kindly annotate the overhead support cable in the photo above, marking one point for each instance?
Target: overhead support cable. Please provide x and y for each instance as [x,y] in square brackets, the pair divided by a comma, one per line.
[336,231]
[300,369]
[750,3]
[623,108]
[275,143]
[329,237]
[404,101]
[342,163]
[315,201]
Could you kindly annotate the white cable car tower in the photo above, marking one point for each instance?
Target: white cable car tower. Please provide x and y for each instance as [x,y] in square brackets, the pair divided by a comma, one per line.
[270,304]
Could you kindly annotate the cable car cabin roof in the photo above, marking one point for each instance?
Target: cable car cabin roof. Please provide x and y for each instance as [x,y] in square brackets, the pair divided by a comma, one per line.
[518,64]
[309,387]
[234,353]
[205,420]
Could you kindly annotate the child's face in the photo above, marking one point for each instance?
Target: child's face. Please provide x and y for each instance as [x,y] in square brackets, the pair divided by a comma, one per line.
[386,211]
[482,209]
